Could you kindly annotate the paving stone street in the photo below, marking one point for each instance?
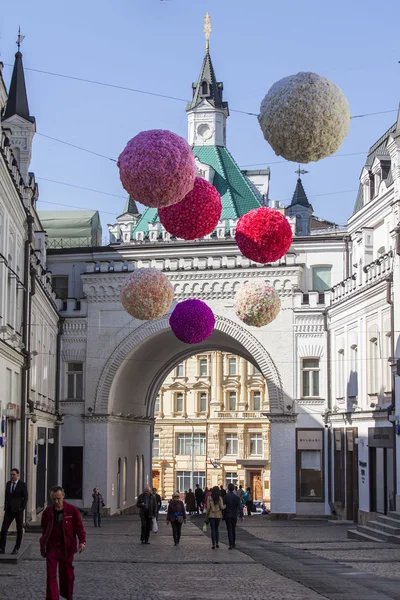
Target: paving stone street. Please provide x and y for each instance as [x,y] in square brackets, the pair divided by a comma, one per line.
[296,559]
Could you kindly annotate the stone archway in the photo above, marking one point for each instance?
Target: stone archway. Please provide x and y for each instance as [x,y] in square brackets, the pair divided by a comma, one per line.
[228,335]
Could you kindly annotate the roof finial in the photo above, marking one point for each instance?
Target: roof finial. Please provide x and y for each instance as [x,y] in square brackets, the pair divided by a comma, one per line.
[20,38]
[207,31]
[301,172]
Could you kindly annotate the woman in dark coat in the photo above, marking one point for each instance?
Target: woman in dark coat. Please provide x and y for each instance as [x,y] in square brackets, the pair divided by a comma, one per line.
[97,506]
[176,515]
[190,502]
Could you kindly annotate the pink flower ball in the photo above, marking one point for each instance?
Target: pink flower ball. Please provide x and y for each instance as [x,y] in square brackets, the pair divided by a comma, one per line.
[157,168]
[196,215]
[256,303]
[263,235]
[147,294]
[192,321]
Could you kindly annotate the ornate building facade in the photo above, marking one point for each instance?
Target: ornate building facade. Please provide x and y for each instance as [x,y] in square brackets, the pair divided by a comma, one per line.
[210,426]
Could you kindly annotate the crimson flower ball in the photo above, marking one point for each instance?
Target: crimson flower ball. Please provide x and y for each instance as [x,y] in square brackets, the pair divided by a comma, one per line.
[196,215]
[147,294]
[263,235]
[192,321]
[157,168]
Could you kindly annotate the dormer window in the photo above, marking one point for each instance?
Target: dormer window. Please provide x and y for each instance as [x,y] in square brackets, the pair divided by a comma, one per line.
[371,186]
[204,88]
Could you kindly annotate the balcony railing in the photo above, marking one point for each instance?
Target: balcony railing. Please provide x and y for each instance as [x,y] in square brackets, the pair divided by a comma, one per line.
[239,414]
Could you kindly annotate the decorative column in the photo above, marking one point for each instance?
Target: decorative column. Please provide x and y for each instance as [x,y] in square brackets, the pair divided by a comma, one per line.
[283,463]
[243,401]
[219,377]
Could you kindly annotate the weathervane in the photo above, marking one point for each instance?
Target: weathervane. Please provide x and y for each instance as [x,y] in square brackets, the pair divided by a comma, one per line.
[20,38]
[301,171]
[207,31]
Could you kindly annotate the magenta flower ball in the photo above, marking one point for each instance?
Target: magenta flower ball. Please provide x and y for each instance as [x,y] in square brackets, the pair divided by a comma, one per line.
[157,168]
[147,294]
[196,215]
[192,321]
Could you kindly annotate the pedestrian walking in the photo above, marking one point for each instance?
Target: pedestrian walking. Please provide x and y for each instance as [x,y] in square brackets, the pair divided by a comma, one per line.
[176,515]
[215,506]
[158,501]
[248,500]
[199,494]
[241,493]
[147,505]
[222,491]
[62,529]
[233,508]
[190,502]
[16,498]
[97,506]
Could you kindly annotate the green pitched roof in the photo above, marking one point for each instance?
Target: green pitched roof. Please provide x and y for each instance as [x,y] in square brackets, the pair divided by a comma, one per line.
[238,196]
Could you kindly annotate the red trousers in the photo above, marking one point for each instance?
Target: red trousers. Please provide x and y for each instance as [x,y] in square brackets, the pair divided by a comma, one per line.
[55,557]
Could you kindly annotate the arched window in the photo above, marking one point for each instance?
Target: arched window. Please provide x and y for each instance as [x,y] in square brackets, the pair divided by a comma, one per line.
[119,484]
[124,480]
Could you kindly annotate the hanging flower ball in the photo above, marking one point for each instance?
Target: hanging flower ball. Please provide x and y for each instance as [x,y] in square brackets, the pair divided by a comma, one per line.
[263,235]
[304,117]
[256,303]
[196,215]
[147,294]
[157,168]
[192,321]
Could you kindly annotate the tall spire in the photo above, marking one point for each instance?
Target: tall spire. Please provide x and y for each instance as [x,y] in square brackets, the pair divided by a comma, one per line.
[300,196]
[207,31]
[17,103]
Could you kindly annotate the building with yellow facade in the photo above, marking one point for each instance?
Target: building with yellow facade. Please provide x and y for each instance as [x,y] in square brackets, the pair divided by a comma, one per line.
[210,427]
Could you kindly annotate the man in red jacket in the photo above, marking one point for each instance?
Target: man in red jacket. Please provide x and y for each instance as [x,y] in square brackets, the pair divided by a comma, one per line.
[61,526]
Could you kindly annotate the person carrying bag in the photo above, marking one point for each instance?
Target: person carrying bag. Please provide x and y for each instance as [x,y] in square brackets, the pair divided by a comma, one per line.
[215,506]
[176,515]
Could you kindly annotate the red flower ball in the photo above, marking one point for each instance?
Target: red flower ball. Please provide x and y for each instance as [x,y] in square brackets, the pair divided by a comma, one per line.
[263,235]
[196,215]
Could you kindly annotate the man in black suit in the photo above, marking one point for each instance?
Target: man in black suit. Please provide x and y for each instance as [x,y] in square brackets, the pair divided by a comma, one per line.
[233,508]
[14,505]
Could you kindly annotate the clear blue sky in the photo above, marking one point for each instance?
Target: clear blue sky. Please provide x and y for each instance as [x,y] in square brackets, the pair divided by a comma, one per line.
[159,46]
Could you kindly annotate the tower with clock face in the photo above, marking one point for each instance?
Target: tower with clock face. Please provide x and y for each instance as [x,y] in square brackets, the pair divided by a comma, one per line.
[207,112]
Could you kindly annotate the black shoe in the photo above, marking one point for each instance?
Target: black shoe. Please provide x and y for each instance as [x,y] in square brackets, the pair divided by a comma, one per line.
[217,545]
[15,551]
[142,542]
[147,542]
[230,548]
[212,547]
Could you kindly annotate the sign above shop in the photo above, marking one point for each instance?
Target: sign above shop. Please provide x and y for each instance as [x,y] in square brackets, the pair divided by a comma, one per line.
[380,437]
[310,439]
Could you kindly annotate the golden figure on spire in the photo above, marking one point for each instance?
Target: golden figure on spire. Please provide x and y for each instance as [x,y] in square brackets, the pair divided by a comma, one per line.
[207,31]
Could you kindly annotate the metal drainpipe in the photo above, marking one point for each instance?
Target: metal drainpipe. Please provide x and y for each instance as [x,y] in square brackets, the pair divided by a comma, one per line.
[392,407]
[329,399]
[57,395]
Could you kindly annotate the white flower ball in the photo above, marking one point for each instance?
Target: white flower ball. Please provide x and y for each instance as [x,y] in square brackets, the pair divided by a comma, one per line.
[256,303]
[304,117]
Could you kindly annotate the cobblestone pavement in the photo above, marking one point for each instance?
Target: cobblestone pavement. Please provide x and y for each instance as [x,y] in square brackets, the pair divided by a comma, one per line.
[276,560]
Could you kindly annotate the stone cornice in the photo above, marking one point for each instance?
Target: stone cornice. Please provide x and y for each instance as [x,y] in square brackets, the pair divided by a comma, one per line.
[121,420]
[347,418]
[74,330]
[281,418]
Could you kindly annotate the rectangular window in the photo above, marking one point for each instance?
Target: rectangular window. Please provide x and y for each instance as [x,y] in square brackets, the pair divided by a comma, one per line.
[321,278]
[75,381]
[310,376]
[179,370]
[340,375]
[157,404]
[60,286]
[256,444]
[388,370]
[188,444]
[184,480]
[256,370]
[232,366]
[373,365]
[310,480]
[156,446]
[203,402]
[179,403]
[231,444]
[353,377]
[203,367]
[231,477]
[72,471]
[232,400]
[256,400]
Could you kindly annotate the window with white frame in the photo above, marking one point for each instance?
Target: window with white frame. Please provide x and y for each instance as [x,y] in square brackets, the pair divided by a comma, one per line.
[179,402]
[156,446]
[184,480]
[231,477]
[256,444]
[310,377]
[157,404]
[232,401]
[231,444]
[203,367]
[321,278]
[256,400]
[179,370]
[75,381]
[188,443]
[340,374]
[203,402]
[373,365]
[232,366]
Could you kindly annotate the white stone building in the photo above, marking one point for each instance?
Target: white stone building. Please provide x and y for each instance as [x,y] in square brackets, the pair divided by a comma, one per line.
[28,309]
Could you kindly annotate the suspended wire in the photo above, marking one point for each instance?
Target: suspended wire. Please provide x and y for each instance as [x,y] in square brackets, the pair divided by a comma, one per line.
[281,162]
[157,95]
[49,137]
[79,187]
